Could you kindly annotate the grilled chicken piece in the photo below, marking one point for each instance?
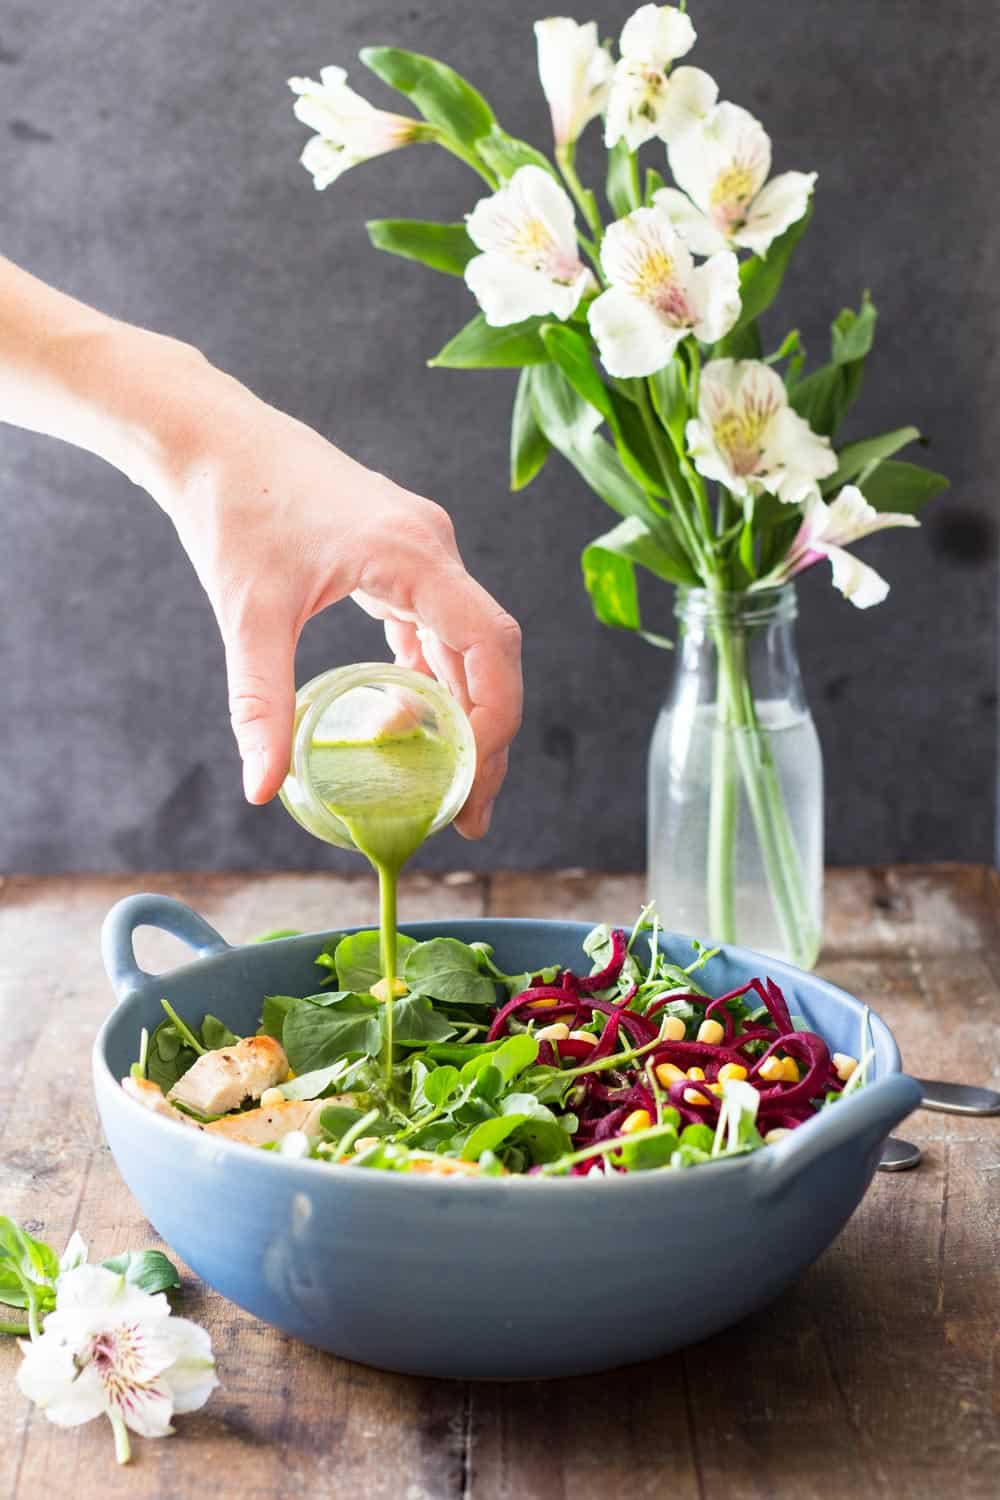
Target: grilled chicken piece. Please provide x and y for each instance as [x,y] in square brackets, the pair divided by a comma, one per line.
[151,1096]
[256,1127]
[220,1081]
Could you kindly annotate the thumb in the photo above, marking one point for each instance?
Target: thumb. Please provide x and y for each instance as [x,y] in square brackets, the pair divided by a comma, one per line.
[260,654]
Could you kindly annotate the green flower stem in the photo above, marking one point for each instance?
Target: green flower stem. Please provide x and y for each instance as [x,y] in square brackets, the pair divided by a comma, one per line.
[34,1328]
[584,200]
[471,160]
[722,818]
[767,807]
[680,514]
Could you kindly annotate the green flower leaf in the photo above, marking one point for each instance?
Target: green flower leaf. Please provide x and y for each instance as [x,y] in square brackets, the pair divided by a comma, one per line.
[443,247]
[856,458]
[504,154]
[477,346]
[529,447]
[149,1270]
[902,487]
[442,96]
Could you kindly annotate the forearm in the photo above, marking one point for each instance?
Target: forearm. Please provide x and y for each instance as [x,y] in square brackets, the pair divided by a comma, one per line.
[71,372]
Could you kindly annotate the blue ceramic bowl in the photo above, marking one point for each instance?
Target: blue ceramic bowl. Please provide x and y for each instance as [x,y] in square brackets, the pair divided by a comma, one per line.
[499,1278]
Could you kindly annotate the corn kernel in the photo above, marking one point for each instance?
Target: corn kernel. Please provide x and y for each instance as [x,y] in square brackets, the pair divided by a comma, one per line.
[777,1134]
[584,1036]
[732,1070]
[638,1120]
[668,1073]
[542,1004]
[673,1029]
[711,1032]
[697,1073]
[844,1065]
[557,1032]
[380,991]
[790,1070]
[772,1070]
[290,1075]
[270,1097]
[695,1097]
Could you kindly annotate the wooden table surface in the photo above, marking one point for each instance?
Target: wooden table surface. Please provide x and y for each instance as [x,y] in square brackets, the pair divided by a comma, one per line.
[875,1375]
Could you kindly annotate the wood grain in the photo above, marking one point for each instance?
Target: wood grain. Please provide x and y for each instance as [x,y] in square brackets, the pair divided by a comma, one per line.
[875,1374]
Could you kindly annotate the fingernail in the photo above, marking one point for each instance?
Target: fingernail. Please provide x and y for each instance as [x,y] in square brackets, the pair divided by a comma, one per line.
[486,817]
[254,772]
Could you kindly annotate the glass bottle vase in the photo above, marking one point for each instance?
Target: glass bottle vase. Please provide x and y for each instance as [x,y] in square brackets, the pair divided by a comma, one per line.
[735,795]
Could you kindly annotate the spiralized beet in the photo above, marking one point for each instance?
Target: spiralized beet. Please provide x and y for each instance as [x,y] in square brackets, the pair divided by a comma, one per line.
[606,977]
[606,1095]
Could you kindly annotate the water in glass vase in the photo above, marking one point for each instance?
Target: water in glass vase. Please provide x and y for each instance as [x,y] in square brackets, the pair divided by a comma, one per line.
[735,813]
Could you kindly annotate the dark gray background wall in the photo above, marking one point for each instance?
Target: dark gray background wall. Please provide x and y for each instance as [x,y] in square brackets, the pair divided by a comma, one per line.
[148,164]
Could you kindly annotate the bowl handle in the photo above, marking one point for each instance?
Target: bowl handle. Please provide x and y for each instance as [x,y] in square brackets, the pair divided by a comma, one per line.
[148,910]
[864,1119]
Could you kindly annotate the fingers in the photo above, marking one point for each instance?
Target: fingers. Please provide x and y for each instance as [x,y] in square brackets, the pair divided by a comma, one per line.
[260,653]
[466,620]
[404,643]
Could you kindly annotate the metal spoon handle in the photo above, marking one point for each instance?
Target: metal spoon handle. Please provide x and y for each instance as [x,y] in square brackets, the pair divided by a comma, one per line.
[958,1098]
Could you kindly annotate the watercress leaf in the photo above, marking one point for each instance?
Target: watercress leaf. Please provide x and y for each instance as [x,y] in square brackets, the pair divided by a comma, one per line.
[442,247]
[514,1055]
[478,346]
[359,960]
[331,1080]
[701,1137]
[316,1036]
[149,1270]
[504,154]
[273,1013]
[215,1034]
[442,96]
[545,1139]
[489,1134]
[903,487]
[525,1104]
[598,946]
[647,1152]
[415,1020]
[439,1085]
[279,932]
[529,447]
[488,1083]
[447,970]
[12,1293]
[167,1057]
[337,1119]
[458,1052]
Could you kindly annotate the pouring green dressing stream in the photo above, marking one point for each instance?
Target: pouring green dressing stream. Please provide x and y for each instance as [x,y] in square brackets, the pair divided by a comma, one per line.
[382,758]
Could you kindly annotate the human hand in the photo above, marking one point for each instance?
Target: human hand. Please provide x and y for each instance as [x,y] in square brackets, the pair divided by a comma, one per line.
[279,524]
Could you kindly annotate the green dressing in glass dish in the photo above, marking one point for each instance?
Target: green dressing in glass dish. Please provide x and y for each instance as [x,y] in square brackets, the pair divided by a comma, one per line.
[382,758]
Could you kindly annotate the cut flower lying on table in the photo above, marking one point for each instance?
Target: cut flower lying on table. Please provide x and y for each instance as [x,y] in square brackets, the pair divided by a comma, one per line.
[102,1338]
[626,1067]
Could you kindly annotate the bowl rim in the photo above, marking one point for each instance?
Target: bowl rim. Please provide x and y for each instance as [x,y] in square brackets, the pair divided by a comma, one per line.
[340,1173]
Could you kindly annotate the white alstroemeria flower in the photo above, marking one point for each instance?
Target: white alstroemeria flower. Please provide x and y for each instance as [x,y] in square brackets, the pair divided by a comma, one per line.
[657,295]
[109,1348]
[75,1253]
[723,167]
[748,437]
[645,99]
[349,129]
[825,532]
[575,71]
[529,266]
